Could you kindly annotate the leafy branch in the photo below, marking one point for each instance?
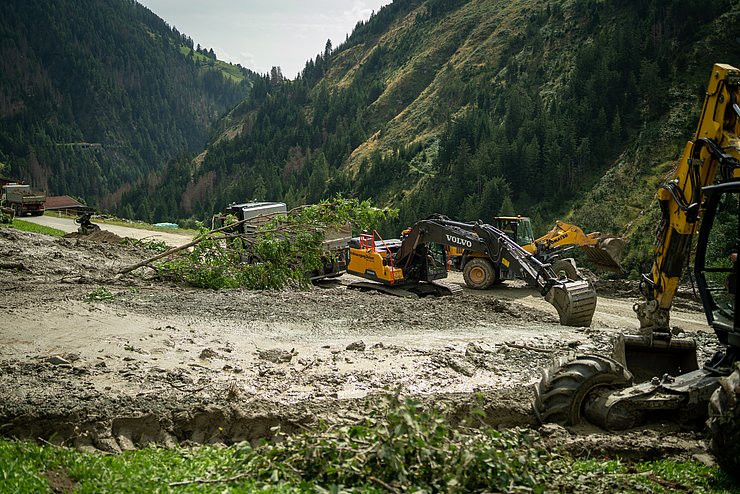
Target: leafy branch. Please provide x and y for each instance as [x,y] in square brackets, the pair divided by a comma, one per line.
[399,447]
[283,252]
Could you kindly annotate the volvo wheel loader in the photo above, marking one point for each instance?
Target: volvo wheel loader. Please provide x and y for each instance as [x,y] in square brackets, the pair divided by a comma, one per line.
[604,251]
[415,263]
[654,373]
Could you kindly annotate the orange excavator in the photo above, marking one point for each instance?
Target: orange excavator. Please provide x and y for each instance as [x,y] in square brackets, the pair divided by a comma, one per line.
[414,265]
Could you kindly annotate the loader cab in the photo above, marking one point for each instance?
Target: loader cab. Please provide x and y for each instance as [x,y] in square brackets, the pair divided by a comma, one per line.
[518,228]
[716,264]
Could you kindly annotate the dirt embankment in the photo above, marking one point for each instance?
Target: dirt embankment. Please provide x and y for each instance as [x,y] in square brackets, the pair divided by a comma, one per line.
[109,362]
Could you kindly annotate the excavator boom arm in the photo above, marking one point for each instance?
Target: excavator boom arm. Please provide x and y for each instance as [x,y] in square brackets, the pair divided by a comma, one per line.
[575,301]
[715,147]
[477,237]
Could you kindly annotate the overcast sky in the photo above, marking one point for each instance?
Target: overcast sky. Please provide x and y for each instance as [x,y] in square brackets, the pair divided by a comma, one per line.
[259,34]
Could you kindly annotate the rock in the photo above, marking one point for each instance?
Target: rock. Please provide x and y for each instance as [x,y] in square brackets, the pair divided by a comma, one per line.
[277,355]
[356,346]
[57,360]
[705,459]
[458,364]
[208,354]
[476,349]
[554,431]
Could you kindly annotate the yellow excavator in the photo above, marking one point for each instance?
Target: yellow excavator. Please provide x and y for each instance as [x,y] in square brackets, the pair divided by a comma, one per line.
[604,251]
[654,374]
[414,265]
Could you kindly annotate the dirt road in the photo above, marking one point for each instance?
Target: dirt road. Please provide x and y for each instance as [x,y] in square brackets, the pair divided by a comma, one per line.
[172,239]
[107,362]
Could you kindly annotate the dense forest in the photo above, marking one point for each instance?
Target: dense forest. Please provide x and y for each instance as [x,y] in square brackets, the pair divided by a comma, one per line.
[97,95]
[470,108]
[565,108]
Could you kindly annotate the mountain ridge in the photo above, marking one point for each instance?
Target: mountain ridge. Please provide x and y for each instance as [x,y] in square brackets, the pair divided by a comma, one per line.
[108,73]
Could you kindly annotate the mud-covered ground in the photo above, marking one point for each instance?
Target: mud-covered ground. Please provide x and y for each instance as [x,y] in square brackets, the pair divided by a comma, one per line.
[112,362]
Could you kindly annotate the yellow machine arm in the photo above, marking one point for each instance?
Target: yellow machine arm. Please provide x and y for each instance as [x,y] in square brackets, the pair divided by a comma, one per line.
[605,251]
[714,148]
[564,233]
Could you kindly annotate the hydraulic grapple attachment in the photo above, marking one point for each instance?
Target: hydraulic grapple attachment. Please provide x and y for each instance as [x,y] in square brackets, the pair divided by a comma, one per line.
[575,302]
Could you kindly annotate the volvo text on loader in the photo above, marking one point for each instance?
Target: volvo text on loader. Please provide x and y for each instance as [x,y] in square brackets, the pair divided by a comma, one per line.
[655,374]
[414,263]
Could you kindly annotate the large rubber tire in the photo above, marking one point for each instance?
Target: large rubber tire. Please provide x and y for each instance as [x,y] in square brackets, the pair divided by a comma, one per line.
[568,268]
[561,394]
[479,273]
[724,424]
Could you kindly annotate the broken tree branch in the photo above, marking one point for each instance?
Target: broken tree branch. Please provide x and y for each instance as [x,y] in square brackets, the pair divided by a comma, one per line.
[528,347]
[195,241]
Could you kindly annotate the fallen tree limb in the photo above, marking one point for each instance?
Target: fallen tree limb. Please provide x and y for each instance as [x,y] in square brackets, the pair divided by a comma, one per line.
[196,241]
[528,347]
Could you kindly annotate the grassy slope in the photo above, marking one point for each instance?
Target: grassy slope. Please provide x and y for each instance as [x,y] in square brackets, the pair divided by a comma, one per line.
[466,44]
[624,199]
[27,226]
[228,70]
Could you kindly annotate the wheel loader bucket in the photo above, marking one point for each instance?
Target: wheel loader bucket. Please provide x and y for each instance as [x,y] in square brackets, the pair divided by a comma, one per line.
[646,357]
[575,302]
[607,253]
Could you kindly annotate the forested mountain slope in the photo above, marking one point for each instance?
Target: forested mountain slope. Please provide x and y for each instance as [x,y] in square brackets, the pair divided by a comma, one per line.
[471,108]
[96,94]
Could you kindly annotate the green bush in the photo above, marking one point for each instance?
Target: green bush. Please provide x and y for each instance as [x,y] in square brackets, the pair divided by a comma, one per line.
[280,254]
[404,447]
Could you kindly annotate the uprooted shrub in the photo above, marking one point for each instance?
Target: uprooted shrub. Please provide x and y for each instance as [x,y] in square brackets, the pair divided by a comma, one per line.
[403,447]
[281,253]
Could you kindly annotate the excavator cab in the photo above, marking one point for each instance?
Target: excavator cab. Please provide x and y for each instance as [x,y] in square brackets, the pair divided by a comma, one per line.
[716,267]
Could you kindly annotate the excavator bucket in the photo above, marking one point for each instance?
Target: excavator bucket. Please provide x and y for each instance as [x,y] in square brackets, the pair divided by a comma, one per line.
[575,302]
[646,357]
[607,253]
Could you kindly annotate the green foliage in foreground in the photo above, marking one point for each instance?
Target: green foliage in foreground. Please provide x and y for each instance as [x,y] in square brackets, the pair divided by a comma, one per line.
[27,226]
[401,448]
[100,294]
[280,254]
